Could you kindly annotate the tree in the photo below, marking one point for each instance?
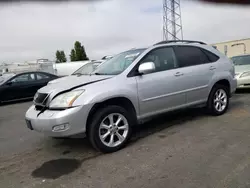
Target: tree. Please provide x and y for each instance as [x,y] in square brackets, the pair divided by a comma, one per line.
[78,53]
[63,56]
[73,55]
[60,57]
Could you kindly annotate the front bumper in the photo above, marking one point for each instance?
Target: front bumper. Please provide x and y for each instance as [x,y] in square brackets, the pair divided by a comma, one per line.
[73,120]
[243,82]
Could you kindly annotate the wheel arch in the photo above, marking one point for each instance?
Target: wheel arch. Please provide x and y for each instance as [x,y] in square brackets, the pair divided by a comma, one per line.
[224,82]
[117,101]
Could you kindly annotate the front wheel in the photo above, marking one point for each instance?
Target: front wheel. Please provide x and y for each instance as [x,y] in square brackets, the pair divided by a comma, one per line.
[218,100]
[110,129]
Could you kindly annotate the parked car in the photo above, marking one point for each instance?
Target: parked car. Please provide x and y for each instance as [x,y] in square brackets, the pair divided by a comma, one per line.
[242,70]
[84,70]
[22,86]
[67,68]
[132,86]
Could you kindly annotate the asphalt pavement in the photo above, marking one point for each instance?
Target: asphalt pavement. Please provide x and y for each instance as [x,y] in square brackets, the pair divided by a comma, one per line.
[186,149]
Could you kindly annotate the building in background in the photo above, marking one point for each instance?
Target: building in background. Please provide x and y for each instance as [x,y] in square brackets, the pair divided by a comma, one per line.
[233,48]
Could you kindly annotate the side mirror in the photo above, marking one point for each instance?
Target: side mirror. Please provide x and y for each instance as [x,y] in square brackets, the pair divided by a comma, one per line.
[146,68]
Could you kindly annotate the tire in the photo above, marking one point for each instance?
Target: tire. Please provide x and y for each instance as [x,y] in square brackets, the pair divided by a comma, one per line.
[215,101]
[96,131]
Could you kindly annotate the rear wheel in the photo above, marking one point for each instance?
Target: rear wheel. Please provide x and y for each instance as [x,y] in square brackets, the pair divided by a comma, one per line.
[218,100]
[110,129]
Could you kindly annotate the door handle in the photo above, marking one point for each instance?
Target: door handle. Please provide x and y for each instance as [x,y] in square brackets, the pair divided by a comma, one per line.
[179,74]
[212,68]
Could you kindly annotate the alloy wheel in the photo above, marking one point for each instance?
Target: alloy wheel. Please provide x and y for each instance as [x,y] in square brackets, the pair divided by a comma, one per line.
[220,100]
[113,130]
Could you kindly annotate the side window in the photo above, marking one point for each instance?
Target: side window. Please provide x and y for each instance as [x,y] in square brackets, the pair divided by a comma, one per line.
[163,58]
[24,78]
[41,76]
[212,57]
[189,56]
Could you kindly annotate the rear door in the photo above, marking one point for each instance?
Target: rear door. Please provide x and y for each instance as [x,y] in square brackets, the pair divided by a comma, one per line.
[161,90]
[198,70]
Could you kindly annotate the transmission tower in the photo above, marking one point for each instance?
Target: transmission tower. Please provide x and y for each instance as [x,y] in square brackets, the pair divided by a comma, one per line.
[172,25]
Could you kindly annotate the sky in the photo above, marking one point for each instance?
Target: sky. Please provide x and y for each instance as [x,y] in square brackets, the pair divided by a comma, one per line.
[30,31]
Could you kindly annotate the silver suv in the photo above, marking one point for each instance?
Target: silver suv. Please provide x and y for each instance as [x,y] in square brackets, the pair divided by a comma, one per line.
[130,87]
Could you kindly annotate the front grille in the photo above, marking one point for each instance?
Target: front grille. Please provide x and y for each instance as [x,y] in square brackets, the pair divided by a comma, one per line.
[40,98]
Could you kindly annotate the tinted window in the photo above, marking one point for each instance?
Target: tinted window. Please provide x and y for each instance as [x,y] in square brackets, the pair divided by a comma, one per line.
[163,58]
[212,57]
[41,76]
[24,78]
[189,56]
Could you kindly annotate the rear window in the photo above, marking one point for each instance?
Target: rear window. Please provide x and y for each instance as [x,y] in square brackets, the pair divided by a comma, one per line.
[40,76]
[212,57]
[189,56]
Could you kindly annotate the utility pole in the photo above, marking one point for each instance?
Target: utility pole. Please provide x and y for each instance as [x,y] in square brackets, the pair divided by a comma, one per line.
[172,24]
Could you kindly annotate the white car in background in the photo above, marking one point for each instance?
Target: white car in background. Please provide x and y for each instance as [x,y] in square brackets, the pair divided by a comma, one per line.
[107,57]
[67,68]
[242,70]
[84,70]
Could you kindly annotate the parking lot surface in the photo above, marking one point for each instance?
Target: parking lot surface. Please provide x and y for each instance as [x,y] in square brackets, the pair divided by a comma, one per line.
[182,149]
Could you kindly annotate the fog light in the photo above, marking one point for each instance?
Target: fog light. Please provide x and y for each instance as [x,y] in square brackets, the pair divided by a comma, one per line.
[59,128]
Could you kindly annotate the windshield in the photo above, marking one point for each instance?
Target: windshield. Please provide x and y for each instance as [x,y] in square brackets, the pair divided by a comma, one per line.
[87,69]
[118,63]
[5,77]
[241,60]
[1,80]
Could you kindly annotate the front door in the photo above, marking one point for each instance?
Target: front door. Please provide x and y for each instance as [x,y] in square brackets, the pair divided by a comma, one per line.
[19,87]
[162,89]
[9,91]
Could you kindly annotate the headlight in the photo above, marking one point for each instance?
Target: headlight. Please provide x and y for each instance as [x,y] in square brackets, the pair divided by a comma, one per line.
[65,100]
[245,74]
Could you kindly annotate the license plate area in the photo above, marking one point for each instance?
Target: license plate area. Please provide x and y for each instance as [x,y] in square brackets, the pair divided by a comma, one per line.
[29,125]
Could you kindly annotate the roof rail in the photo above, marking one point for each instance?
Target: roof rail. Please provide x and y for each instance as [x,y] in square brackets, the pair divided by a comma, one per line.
[173,41]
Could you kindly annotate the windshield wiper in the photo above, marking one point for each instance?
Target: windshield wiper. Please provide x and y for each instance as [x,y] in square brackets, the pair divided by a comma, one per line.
[97,73]
[77,74]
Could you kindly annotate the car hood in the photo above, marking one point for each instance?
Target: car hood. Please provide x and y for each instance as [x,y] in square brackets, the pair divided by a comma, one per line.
[62,79]
[70,82]
[241,68]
